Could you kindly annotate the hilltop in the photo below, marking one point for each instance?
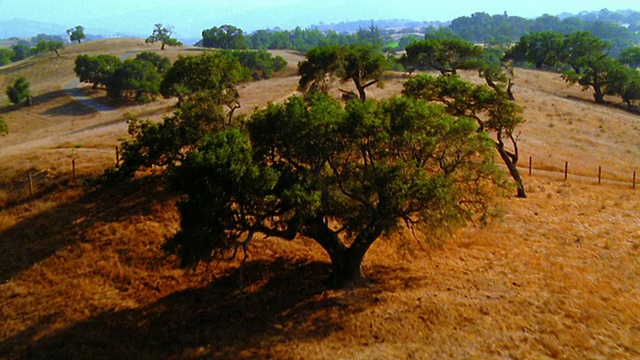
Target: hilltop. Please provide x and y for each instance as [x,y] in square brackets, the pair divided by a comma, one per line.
[82,274]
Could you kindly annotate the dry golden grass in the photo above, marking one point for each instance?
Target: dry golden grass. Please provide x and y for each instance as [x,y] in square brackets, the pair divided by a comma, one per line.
[82,274]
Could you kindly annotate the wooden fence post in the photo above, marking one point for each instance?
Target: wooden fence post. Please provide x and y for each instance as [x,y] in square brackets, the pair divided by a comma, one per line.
[599,175]
[530,164]
[73,168]
[566,169]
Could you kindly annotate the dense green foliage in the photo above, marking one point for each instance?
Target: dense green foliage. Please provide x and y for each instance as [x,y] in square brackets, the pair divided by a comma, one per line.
[163,34]
[134,79]
[444,55]
[307,39]
[630,56]
[362,64]
[21,51]
[223,37]
[495,113]
[260,62]
[161,63]
[213,73]
[6,55]
[76,34]
[19,92]
[96,69]
[490,29]
[584,59]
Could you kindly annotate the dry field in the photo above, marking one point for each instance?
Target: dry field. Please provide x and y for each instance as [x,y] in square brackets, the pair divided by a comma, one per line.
[556,276]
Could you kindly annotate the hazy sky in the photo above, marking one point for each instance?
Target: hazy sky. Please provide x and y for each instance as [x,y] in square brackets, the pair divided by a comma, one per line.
[190,17]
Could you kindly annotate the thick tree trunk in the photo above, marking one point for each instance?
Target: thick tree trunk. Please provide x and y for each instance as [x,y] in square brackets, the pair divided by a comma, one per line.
[597,95]
[361,92]
[346,269]
[346,262]
[513,170]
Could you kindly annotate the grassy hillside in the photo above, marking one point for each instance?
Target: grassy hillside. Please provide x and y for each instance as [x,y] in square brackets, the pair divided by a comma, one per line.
[82,274]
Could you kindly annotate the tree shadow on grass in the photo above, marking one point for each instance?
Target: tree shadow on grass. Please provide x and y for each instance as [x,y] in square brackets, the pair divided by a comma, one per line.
[36,238]
[282,301]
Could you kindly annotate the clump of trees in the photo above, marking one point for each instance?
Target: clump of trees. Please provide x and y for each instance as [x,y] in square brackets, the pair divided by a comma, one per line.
[150,74]
[584,59]
[19,92]
[226,37]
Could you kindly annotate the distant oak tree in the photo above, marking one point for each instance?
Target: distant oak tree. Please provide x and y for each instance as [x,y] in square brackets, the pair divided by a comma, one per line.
[163,34]
[76,34]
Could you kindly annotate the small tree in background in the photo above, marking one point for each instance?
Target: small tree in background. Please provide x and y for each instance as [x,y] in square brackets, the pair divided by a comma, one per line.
[76,34]
[4,129]
[163,35]
[19,92]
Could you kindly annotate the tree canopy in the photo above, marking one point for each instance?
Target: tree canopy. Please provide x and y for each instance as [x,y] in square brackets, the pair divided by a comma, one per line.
[96,70]
[445,55]
[491,108]
[362,64]
[224,37]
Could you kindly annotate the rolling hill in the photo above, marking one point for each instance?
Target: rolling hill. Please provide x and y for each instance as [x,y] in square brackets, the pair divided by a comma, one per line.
[82,274]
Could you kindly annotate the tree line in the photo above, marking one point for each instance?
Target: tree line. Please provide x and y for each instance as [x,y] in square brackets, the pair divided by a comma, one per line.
[150,74]
[585,59]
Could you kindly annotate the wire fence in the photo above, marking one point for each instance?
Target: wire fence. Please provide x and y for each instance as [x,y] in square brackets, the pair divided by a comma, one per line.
[35,179]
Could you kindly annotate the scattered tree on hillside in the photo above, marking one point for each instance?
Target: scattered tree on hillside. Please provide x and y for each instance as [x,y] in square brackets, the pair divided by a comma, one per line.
[163,35]
[19,92]
[587,55]
[44,46]
[341,177]
[76,34]
[362,64]
[224,37]
[96,70]
[444,55]
[491,108]
[4,129]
